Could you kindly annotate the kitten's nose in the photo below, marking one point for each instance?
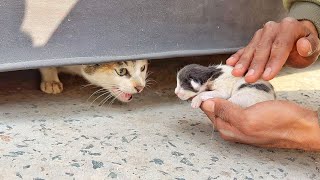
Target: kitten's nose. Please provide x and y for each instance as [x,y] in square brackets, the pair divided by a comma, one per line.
[176,91]
[139,88]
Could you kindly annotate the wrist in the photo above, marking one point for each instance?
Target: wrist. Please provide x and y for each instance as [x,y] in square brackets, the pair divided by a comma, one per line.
[306,11]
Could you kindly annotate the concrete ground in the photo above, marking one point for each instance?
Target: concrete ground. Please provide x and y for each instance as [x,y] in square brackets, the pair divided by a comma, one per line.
[156,136]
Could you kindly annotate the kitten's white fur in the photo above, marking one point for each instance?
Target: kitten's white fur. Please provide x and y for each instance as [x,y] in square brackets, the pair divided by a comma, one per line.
[107,79]
[225,87]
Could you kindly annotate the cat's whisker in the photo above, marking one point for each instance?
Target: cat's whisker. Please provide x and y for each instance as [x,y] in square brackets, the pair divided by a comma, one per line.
[95,87]
[151,80]
[97,91]
[98,97]
[114,99]
[105,100]
[148,74]
[149,84]
[87,85]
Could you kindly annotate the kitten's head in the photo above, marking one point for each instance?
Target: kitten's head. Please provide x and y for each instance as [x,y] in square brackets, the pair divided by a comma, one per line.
[121,79]
[193,79]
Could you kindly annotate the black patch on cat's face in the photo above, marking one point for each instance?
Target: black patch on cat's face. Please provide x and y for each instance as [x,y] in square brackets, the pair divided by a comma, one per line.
[197,73]
[258,86]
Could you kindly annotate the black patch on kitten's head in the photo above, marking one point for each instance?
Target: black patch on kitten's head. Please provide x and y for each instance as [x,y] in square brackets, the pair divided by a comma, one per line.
[197,73]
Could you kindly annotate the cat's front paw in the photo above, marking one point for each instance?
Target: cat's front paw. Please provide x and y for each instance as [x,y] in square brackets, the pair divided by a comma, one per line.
[51,87]
[196,102]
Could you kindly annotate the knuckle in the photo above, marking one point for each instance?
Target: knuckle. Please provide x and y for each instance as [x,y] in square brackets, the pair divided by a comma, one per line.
[277,44]
[250,48]
[289,19]
[288,22]
[269,24]
[261,47]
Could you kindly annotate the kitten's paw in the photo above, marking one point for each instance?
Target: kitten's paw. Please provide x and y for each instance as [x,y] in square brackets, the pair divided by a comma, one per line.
[205,97]
[196,102]
[51,87]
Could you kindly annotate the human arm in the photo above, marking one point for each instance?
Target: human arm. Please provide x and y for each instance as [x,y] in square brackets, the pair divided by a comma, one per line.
[293,41]
[279,124]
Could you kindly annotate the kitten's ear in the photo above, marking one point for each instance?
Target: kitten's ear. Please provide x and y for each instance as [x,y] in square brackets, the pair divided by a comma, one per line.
[195,85]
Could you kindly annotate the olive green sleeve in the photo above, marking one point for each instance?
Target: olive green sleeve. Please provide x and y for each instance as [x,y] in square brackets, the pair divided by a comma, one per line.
[304,10]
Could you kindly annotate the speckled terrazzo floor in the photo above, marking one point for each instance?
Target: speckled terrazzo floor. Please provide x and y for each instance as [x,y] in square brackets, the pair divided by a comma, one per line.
[156,136]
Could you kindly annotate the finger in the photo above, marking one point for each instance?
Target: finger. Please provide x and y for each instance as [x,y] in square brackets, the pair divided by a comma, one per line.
[304,54]
[225,130]
[208,109]
[262,52]
[282,46]
[309,45]
[229,132]
[224,109]
[246,58]
[232,60]
[297,61]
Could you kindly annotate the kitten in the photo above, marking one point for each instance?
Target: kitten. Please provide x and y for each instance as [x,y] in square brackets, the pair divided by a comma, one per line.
[121,79]
[202,83]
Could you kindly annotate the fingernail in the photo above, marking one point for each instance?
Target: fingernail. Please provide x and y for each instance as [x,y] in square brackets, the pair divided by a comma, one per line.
[267,72]
[250,72]
[238,66]
[227,133]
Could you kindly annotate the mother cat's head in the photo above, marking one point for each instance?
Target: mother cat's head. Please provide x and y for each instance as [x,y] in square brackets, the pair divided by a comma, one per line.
[121,79]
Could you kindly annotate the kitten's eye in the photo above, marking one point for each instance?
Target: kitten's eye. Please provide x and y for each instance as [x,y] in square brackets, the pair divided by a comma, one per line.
[143,68]
[122,72]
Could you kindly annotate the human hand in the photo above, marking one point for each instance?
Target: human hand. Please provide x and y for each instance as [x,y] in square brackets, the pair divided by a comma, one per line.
[293,42]
[280,124]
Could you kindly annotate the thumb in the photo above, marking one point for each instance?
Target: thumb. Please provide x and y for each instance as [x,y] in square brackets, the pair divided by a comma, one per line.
[223,109]
[308,46]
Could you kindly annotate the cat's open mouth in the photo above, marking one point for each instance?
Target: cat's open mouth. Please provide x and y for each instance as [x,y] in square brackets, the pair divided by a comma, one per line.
[120,95]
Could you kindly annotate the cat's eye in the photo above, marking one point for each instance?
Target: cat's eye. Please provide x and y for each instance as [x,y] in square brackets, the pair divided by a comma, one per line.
[143,68]
[122,72]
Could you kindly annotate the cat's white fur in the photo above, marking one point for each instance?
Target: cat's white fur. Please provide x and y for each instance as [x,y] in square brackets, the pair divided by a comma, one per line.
[225,87]
[105,77]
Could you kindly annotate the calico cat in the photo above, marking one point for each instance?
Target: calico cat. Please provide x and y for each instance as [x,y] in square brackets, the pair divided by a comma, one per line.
[202,83]
[121,79]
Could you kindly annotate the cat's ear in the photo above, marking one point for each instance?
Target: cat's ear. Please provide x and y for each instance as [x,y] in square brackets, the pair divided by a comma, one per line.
[195,85]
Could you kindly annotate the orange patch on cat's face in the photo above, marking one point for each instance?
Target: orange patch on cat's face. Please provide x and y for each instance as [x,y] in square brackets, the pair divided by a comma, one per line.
[103,68]
[107,68]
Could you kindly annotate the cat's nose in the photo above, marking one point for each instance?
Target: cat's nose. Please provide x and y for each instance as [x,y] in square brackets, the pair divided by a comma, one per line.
[139,88]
